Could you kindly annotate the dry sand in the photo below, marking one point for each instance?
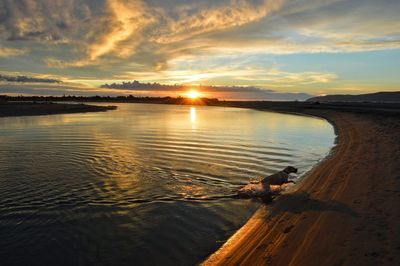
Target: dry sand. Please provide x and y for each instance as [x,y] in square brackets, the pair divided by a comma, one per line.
[345,212]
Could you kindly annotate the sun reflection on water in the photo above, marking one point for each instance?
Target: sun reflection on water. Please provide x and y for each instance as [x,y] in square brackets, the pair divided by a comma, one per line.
[193,117]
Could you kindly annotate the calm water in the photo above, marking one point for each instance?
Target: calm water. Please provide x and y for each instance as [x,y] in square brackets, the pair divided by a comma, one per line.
[145,184]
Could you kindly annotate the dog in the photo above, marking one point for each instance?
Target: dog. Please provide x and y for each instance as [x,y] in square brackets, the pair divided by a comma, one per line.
[281,177]
[262,188]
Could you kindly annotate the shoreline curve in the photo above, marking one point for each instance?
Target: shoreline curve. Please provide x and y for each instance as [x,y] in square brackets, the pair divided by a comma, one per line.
[345,210]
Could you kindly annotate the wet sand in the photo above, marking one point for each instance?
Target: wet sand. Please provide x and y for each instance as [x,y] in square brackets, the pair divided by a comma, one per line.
[47,108]
[345,212]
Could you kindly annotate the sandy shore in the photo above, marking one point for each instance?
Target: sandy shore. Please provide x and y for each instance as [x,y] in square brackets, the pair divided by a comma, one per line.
[345,212]
[31,108]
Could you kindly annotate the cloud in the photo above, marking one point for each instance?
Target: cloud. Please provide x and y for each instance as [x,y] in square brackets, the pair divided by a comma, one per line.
[26,19]
[238,72]
[56,63]
[303,78]
[40,86]
[179,41]
[103,26]
[25,79]
[128,20]
[50,89]
[226,92]
[121,28]
[9,52]
[91,28]
[197,19]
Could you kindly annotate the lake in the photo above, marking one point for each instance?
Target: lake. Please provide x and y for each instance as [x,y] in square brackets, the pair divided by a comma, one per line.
[143,185]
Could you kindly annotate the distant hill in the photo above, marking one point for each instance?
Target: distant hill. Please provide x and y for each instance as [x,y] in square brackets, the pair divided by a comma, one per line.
[370,97]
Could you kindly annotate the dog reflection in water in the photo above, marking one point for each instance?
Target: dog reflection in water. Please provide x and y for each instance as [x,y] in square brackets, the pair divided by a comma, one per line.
[263,188]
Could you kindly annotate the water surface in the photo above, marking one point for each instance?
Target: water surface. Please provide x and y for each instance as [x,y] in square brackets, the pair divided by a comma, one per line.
[145,184]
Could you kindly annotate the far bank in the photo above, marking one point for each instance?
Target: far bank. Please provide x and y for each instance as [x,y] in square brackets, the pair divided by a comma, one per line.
[47,108]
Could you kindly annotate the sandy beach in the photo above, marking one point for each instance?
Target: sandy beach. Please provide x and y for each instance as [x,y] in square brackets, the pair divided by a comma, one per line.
[345,212]
[47,108]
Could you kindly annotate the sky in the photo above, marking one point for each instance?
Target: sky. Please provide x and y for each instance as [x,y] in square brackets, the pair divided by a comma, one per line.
[233,49]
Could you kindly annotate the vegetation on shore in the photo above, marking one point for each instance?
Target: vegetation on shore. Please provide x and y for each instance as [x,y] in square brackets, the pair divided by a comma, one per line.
[47,108]
[117,99]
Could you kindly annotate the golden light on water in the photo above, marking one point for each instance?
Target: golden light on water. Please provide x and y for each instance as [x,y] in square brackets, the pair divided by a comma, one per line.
[193,94]
[193,115]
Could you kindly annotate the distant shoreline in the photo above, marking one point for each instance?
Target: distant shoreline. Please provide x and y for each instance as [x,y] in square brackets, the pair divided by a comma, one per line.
[345,210]
[11,109]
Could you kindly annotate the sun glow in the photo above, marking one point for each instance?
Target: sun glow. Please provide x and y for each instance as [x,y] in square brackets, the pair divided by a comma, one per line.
[193,94]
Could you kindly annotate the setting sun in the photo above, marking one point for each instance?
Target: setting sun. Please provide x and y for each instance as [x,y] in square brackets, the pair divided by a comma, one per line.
[193,94]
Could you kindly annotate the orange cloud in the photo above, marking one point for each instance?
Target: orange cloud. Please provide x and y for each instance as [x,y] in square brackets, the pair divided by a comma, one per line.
[8,52]
[238,13]
[128,19]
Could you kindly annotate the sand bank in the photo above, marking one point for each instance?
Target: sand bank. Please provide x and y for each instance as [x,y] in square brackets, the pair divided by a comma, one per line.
[345,212]
[31,108]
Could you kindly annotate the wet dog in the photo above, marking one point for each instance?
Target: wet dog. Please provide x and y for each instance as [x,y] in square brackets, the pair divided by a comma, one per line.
[281,177]
[262,188]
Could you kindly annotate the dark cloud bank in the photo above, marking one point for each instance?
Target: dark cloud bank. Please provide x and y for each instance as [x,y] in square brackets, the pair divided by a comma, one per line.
[234,92]
[27,79]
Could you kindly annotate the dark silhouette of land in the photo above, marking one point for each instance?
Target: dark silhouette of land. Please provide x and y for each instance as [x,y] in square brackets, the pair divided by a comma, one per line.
[116,99]
[44,105]
[301,107]
[370,97]
[13,105]
[46,108]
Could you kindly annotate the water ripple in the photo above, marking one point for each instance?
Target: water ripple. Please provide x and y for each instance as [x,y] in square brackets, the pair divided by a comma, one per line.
[137,185]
